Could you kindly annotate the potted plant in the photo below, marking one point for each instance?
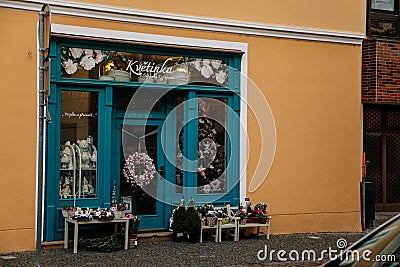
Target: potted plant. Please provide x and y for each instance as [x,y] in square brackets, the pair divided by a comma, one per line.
[223,216]
[120,212]
[68,211]
[258,214]
[134,223]
[242,215]
[178,223]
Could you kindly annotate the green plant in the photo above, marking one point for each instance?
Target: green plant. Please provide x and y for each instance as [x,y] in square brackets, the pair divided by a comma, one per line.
[121,206]
[261,206]
[192,224]
[241,213]
[179,217]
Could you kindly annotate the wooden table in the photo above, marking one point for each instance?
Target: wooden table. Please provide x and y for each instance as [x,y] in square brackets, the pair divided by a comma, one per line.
[94,221]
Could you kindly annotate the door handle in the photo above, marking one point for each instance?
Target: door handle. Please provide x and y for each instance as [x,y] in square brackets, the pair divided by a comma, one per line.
[161,172]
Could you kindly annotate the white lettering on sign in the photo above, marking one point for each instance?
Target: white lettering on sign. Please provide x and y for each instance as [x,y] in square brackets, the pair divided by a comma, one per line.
[79,115]
[148,68]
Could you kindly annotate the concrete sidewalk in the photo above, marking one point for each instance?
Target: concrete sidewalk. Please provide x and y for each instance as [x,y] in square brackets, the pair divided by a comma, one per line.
[209,253]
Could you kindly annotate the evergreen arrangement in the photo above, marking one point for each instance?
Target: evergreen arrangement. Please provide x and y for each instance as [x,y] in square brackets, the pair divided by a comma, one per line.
[192,224]
[178,224]
[101,242]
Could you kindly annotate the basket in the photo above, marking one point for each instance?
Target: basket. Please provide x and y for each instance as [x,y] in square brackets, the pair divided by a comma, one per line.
[252,220]
[225,220]
[211,221]
[119,214]
[117,75]
[64,213]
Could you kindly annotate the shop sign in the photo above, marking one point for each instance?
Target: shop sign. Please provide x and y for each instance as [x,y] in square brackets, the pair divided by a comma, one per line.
[83,63]
[148,68]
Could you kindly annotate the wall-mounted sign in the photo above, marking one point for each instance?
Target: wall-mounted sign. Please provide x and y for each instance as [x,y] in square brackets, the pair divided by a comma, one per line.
[132,67]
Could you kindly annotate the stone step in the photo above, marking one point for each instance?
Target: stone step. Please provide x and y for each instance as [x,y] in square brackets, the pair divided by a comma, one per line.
[381,217]
[155,236]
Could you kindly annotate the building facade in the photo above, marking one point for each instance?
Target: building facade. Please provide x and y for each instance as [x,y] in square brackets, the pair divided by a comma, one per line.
[218,102]
[380,97]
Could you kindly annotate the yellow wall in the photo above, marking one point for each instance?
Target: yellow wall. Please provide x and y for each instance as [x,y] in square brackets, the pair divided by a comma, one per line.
[18,120]
[314,93]
[341,15]
[313,89]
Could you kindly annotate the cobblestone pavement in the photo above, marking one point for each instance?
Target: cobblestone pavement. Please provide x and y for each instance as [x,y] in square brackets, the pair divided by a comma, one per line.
[209,253]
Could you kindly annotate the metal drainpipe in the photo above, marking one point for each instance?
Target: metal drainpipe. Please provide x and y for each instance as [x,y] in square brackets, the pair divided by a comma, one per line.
[42,103]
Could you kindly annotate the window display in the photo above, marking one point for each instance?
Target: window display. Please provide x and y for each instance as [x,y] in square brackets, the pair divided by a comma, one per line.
[78,149]
[211,176]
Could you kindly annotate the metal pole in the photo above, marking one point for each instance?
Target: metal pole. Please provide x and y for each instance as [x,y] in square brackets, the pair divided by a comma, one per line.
[41,118]
[363,203]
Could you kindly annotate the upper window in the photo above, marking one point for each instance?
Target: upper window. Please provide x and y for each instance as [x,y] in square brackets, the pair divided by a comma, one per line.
[386,5]
[384,18]
[134,67]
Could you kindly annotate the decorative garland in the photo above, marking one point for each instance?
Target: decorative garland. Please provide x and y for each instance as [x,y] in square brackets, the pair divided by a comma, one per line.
[139,169]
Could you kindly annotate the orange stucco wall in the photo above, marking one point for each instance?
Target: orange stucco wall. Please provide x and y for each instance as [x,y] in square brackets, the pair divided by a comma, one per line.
[313,89]
[341,15]
[18,122]
[314,94]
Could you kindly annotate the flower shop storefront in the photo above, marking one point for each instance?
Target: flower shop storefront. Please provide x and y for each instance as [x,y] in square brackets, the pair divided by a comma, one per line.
[143,125]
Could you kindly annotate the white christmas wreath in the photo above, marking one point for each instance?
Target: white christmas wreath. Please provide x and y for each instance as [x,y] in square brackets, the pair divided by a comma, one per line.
[139,169]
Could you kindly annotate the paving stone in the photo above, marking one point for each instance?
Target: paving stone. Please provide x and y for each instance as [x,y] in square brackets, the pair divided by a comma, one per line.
[209,253]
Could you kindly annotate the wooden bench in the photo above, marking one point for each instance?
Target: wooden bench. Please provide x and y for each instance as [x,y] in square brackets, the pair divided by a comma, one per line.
[267,224]
[215,228]
[233,224]
[222,226]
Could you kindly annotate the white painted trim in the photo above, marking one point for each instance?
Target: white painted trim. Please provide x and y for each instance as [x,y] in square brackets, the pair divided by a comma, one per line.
[145,38]
[243,132]
[128,15]
[185,42]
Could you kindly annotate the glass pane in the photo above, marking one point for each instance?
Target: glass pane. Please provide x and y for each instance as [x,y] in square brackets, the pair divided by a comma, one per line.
[211,176]
[78,148]
[133,67]
[179,148]
[387,5]
[382,27]
[124,101]
[135,138]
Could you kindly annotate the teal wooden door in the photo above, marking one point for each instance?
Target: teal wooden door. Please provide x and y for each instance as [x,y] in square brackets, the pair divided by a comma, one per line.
[144,138]
[202,148]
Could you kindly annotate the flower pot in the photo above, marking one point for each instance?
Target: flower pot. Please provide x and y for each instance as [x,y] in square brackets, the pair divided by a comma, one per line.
[252,220]
[118,75]
[64,213]
[133,242]
[179,236]
[119,214]
[211,221]
[225,220]
[262,220]
[193,238]
[242,221]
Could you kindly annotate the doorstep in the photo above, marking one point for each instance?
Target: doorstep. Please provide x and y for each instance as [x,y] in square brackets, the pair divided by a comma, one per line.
[155,236]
